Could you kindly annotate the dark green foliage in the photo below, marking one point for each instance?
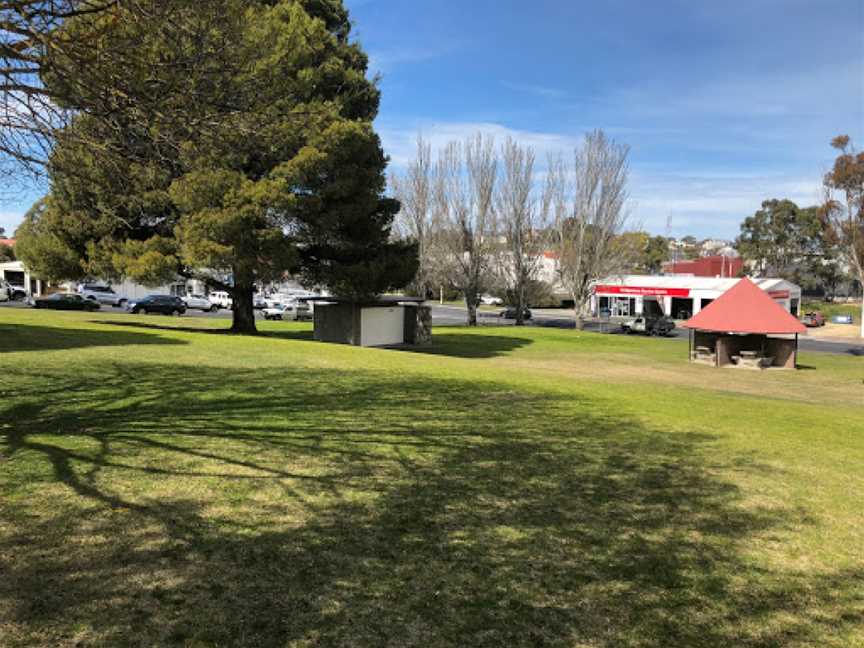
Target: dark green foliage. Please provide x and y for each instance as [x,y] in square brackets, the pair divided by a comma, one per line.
[785,240]
[230,141]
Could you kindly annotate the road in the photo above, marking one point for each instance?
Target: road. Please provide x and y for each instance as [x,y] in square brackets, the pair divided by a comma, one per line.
[456,316]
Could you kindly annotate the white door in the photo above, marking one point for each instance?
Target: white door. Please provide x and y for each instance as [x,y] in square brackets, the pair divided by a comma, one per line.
[382,326]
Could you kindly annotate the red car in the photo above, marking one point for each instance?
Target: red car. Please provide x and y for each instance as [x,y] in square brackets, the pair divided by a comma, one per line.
[813,319]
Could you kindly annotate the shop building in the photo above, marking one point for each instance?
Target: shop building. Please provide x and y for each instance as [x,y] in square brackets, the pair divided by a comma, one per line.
[679,297]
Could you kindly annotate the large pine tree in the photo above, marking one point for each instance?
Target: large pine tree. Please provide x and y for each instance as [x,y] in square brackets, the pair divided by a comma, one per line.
[228,140]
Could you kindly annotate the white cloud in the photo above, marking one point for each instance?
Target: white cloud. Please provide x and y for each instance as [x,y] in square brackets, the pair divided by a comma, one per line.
[712,203]
[702,201]
[10,220]
[400,143]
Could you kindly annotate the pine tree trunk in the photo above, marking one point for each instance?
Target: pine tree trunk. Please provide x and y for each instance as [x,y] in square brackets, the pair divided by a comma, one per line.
[243,310]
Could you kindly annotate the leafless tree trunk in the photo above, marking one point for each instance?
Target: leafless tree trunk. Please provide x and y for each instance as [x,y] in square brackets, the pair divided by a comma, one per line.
[587,205]
[843,210]
[519,221]
[464,192]
[416,220]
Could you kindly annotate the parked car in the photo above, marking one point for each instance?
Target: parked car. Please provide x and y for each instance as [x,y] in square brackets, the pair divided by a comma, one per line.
[649,325]
[291,311]
[102,294]
[66,301]
[813,319]
[491,300]
[221,298]
[258,301]
[165,304]
[199,302]
[16,293]
[510,313]
[843,319]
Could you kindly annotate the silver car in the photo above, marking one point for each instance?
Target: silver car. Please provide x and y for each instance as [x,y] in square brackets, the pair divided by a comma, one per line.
[199,302]
[102,295]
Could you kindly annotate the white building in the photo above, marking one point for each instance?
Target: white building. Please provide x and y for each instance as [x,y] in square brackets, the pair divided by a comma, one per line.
[15,274]
[677,296]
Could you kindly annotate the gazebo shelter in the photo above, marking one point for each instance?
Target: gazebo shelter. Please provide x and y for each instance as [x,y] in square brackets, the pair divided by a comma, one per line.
[744,327]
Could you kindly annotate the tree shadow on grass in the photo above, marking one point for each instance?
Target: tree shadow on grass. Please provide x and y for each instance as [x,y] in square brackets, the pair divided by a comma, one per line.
[276,334]
[27,337]
[357,508]
[461,345]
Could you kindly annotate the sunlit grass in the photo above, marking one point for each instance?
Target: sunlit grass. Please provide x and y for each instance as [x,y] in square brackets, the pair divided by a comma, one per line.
[164,485]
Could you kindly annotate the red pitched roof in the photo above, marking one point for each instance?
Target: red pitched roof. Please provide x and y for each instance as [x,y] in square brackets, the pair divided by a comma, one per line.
[7,242]
[745,308]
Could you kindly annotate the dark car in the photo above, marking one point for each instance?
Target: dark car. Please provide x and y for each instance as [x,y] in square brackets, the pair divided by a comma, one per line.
[510,313]
[65,301]
[165,304]
[813,319]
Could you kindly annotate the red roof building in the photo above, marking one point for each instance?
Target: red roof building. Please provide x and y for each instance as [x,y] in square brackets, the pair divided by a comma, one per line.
[709,266]
[745,308]
[7,242]
[734,329]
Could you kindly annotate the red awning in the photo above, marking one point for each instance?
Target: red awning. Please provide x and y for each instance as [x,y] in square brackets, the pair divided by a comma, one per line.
[745,308]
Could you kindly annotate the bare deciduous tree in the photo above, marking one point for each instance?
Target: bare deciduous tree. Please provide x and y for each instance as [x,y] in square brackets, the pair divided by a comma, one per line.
[415,190]
[587,206]
[843,210]
[464,192]
[33,43]
[521,223]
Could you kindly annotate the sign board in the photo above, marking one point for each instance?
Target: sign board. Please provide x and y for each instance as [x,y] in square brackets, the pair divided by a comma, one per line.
[643,291]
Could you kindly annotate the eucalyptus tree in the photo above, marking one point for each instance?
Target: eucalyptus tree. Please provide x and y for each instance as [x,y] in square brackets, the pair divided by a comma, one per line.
[843,209]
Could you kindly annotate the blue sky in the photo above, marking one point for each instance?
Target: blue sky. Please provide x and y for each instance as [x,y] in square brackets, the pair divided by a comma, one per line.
[723,104]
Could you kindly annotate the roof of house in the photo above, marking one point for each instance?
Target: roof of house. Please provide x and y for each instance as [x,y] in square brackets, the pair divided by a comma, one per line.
[745,308]
[7,242]
[383,300]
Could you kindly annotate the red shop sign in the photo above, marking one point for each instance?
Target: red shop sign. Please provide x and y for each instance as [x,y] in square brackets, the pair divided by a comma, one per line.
[643,291]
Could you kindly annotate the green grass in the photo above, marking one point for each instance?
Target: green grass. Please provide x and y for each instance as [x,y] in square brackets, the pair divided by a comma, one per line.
[162,485]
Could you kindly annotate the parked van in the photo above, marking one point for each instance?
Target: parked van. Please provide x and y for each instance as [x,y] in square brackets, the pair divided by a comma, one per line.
[221,299]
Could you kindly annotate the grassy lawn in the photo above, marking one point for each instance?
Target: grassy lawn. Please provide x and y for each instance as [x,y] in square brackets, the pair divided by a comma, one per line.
[167,486]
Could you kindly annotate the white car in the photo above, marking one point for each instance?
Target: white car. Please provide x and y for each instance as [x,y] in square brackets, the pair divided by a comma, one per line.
[292,311]
[277,299]
[199,302]
[490,300]
[102,295]
[221,299]
[258,301]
